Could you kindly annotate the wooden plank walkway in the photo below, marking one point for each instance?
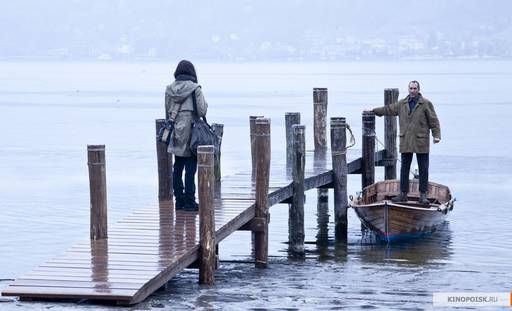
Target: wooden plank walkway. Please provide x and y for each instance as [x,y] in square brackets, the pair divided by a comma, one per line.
[149,247]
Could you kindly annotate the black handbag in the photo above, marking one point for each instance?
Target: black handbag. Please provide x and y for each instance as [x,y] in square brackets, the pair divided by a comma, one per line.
[202,133]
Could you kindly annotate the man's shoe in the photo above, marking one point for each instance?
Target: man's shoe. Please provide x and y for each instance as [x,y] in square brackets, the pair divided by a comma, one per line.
[423,198]
[402,197]
[191,206]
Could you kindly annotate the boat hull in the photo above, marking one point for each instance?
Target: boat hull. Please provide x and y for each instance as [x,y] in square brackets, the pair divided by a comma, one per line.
[394,223]
[399,221]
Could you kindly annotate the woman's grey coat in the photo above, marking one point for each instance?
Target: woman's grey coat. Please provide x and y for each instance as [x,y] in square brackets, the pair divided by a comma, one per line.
[178,93]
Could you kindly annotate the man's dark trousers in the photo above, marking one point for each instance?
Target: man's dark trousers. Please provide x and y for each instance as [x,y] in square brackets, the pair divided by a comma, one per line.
[406,167]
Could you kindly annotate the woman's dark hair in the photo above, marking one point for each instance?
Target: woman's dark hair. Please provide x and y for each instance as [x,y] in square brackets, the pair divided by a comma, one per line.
[185,68]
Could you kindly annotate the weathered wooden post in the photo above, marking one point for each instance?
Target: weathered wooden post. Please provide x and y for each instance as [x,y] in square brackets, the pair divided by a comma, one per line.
[98,191]
[340,171]
[296,209]
[320,118]
[252,129]
[368,156]
[205,178]
[218,129]
[291,118]
[390,131]
[320,99]
[262,146]
[164,161]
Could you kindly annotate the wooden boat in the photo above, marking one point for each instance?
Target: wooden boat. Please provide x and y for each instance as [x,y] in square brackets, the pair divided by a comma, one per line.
[397,221]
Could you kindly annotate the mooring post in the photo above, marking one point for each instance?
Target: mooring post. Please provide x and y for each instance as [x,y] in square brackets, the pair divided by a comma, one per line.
[320,117]
[252,129]
[291,118]
[368,156]
[340,171]
[218,129]
[205,179]
[390,130]
[296,209]
[262,146]
[98,191]
[320,99]
[164,162]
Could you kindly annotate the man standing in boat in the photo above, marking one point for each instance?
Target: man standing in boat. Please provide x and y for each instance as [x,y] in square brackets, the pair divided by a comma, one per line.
[417,117]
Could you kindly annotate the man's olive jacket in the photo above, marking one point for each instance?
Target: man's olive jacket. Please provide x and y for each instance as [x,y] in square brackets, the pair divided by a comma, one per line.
[415,126]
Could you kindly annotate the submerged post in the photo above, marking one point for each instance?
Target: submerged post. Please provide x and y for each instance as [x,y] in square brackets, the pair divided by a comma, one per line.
[218,129]
[390,130]
[340,171]
[164,162]
[262,147]
[98,191]
[205,178]
[252,129]
[368,156]
[296,209]
[291,118]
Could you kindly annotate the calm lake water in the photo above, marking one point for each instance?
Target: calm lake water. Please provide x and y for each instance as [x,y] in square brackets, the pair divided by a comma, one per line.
[49,112]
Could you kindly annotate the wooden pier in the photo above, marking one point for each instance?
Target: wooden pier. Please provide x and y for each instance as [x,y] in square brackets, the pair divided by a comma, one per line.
[142,252]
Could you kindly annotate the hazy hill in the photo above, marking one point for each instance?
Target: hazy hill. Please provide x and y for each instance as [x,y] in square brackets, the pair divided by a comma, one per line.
[254,30]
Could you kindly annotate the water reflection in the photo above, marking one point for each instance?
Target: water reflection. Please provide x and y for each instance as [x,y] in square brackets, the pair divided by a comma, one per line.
[99,265]
[322,220]
[435,249]
[166,249]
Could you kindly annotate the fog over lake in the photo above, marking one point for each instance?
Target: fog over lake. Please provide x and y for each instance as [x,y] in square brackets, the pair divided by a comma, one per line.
[94,72]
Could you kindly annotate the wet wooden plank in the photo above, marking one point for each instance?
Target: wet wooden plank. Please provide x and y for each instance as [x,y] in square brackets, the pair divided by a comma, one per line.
[43,277]
[67,293]
[76,284]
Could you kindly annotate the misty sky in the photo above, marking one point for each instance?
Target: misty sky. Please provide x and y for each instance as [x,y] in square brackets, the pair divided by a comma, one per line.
[254,30]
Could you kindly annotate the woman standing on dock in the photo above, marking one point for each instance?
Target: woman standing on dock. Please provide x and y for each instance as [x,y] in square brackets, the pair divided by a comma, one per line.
[179,107]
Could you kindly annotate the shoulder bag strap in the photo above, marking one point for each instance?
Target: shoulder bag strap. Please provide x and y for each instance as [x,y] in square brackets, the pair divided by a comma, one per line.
[194,101]
[174,111]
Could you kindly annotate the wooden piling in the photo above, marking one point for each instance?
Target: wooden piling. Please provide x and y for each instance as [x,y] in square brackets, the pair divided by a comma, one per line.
[164,162]
[205,177]
[218,129]
[390,131]
[252,129]
[291,118]
[296,209]
[98,191]
[320,99]
[340,171]
[320,118]
[368,152]
[262,148]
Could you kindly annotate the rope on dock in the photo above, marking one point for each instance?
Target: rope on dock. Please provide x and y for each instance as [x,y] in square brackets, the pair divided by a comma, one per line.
[352,138]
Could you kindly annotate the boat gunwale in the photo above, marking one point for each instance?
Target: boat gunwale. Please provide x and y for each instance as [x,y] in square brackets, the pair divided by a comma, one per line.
[432,207]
